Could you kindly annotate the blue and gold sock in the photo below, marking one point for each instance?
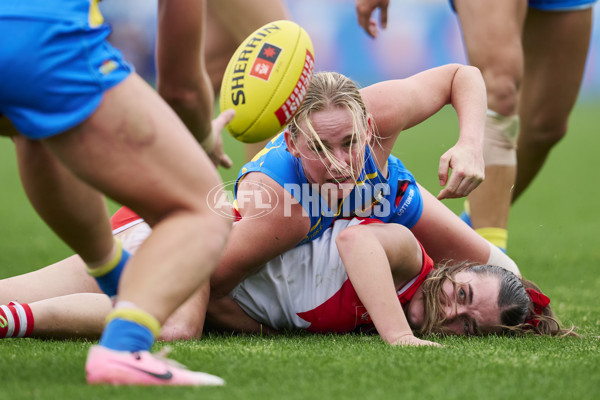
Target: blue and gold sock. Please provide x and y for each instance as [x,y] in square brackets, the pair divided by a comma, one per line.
[496,236]
[466,214]
[130,329]
[108,275]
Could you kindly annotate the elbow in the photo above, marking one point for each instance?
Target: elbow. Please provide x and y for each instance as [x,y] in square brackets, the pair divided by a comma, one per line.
[349,238]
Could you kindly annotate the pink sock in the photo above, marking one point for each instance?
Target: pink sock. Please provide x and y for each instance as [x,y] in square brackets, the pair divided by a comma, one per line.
[16,320]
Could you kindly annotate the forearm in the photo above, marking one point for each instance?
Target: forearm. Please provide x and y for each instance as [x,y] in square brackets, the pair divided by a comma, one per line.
[369,271]
[468,97]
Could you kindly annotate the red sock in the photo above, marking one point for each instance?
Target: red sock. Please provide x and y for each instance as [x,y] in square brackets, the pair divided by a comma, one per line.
[16,320]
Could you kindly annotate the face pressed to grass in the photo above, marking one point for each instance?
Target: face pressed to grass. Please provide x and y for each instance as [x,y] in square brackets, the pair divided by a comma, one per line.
[337,161]
[470,305]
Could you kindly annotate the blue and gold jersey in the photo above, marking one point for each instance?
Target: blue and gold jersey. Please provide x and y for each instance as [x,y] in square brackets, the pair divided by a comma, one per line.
[395,198]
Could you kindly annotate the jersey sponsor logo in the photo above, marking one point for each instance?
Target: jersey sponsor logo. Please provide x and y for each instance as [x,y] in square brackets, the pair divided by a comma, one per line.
[402,186]
[405,198]
[3,322]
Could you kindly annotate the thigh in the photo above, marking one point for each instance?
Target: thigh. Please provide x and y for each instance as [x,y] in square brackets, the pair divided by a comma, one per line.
[242,17]
[492,31]
[445,236]
[228,23]
[556,45]
[135,150]
[219,46]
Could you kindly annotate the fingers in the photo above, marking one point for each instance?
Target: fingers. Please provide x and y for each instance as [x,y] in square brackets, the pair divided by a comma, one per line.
[372,30]
[467,173]
[225,161]
[444,169]
[364,11]
[414,341]
[459,185]
[384,13]
[369,26]
[223,119]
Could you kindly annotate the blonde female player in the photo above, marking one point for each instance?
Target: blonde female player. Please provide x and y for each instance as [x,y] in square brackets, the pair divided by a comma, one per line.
[358,275]
[335,161]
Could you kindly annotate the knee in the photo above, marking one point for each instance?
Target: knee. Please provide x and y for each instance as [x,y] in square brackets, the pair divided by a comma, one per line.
[349,238]
[183,332]
[220,222]
[543,131]
[502,90]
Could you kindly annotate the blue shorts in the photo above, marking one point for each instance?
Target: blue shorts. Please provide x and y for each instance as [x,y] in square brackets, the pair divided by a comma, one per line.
[55,71]
[561,5]
[555,5]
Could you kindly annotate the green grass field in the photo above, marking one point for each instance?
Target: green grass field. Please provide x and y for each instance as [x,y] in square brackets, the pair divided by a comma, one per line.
[553,238]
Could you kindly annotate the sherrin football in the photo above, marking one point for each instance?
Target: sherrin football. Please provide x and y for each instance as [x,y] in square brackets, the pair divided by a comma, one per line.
[266,80]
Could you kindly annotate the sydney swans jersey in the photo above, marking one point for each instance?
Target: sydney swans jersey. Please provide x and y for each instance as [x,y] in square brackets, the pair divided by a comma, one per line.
[308,288]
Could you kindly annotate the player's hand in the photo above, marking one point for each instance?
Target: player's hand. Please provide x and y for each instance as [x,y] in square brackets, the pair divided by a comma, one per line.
[217,154]
[468,171]
[411,340]
[364,10]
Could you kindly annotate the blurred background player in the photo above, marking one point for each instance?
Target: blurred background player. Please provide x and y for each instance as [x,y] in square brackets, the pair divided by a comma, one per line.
[89,125]
[532,55]
[191,58]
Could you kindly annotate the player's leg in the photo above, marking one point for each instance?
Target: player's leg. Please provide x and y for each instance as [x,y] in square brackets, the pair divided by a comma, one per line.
[64,277]
[228,25]
[445,237]
[136,150]
[556,45]
[492,33]
[51,186]
[80,315]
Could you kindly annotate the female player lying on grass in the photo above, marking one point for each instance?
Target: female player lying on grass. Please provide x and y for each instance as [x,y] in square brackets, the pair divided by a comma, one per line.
[358,275]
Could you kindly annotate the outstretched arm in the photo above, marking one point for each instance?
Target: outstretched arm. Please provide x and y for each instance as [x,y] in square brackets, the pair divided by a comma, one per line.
[377,258]
[401,104]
